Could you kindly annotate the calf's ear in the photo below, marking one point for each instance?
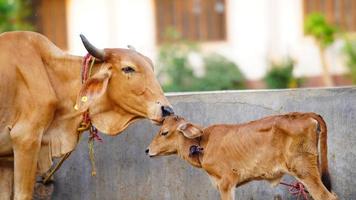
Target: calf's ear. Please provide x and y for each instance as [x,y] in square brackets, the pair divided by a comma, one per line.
[190,131]
[93,88]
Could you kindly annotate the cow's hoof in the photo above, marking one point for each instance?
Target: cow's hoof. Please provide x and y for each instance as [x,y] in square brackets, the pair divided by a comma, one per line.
[42,191]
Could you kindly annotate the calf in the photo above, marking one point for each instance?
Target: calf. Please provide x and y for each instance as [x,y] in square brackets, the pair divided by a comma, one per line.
[264,149]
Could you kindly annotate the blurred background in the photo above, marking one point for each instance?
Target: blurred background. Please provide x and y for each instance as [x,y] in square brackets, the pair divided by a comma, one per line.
[200,45]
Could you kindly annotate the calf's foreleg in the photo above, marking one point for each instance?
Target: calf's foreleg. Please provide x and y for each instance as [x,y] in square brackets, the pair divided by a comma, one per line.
[226,189]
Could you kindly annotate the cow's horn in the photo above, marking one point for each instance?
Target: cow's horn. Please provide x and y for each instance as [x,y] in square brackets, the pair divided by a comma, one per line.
[97,53]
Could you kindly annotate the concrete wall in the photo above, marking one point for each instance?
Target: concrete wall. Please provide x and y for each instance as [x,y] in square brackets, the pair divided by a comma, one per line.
[125,172]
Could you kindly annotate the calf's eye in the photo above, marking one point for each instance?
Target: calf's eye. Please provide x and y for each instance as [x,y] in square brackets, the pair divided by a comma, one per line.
[164,133]
[128,69]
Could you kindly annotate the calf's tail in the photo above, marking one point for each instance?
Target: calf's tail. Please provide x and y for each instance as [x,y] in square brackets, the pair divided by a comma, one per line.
[323,155]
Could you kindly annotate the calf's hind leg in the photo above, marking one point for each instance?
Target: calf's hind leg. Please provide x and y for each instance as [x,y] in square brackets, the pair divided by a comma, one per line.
[308,173]
[316,188]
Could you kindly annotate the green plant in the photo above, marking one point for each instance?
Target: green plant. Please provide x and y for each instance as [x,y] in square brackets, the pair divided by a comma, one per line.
[14,14]
[317,26]
[173,63]
[350,51]
[220,73]
[324,34]
[280,76]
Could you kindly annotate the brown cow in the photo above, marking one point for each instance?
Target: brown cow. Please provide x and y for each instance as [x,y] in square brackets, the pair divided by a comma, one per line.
[39,87]
[264,149]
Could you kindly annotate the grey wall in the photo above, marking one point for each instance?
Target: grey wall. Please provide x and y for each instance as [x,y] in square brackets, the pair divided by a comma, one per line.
[125,172]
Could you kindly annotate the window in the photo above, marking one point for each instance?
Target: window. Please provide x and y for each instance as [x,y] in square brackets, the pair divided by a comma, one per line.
[50,19]
[339,12]
[197,20]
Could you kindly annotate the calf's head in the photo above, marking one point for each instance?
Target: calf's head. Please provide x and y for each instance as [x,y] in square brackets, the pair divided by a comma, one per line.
[123,89]
[175,136]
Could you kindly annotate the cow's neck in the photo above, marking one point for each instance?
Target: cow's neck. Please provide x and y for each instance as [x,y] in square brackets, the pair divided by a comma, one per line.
[64,72]
[65,76]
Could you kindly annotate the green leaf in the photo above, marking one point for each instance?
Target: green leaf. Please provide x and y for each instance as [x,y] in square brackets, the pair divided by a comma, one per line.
[323,32]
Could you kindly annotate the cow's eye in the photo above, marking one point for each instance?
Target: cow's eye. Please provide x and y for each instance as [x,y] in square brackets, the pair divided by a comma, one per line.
[164,132]
[128,69]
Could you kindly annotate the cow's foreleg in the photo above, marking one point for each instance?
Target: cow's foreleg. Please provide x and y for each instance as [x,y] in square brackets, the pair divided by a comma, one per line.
[6,180]
[26,139]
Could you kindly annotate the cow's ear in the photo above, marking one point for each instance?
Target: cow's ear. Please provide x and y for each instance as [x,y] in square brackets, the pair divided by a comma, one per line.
[93,88]
[189,130]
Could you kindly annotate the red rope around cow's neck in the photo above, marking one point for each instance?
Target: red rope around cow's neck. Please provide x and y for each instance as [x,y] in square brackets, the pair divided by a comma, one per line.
[296,189]
[86,73]
[93,132]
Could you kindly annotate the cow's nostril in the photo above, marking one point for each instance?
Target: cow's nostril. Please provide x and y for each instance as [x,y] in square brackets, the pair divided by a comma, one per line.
[147,150]
[166,111]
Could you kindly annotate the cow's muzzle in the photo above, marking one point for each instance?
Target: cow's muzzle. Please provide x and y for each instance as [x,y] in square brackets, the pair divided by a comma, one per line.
[167,111]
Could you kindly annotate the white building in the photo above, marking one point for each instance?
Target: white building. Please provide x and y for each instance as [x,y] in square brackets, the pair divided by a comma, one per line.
[249,32]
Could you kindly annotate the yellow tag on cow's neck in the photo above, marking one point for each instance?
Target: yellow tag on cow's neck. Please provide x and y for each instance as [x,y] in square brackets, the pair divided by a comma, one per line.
[76,107]
[84,99]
